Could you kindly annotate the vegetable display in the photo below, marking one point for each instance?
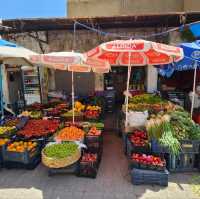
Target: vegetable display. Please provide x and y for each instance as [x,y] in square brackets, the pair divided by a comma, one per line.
[12,122]
[94,132]
[148,160]
[6,129]
[139,138]
[89,157]
[71,133]
[21,146]
[4,141]
[60,150]
[147,99]
[37,128]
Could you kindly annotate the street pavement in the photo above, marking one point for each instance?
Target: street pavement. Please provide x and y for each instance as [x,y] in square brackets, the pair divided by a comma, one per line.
[113,181]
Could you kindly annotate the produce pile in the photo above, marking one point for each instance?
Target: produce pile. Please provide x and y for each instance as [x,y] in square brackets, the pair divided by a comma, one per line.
[5,130]
[152,103]
[171,127]
[139,138]
[37,128]
[34,114]
[4,141]
[89,157]
[60,150]
[71,133]
[94,132]
[12,122]
[92,112]
[21,146]
[148,161]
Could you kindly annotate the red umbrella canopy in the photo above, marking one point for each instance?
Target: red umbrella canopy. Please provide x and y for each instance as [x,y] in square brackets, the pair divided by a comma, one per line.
[136,53]
[71,61]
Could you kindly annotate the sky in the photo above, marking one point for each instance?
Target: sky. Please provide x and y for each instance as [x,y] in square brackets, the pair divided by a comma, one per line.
[11,9]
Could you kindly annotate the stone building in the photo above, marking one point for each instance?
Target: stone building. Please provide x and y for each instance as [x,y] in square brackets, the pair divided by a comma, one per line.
[89,8]
[57,34]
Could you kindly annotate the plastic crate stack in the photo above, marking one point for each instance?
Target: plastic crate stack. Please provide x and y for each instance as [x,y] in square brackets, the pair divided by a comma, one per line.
[187,161]
[91,157]
[144,167]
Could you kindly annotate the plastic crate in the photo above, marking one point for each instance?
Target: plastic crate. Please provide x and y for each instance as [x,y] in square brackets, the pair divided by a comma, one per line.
[25,157]
[192,146]
[187,146]
[18,165]
[88,169]
[184,162]
[157,148]
[71,169]
[136,149]
[136,165]
[93,139]
[140,176]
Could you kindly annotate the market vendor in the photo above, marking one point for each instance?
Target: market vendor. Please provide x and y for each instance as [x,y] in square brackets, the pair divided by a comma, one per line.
[196,98]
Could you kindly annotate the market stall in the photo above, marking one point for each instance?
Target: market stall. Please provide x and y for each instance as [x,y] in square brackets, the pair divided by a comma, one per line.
[164,138]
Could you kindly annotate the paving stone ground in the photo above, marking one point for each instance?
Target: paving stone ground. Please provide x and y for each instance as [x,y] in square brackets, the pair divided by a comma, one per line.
[112,182]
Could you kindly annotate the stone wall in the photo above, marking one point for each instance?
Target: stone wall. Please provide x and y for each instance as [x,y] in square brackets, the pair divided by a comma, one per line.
[62,40]
[85,8]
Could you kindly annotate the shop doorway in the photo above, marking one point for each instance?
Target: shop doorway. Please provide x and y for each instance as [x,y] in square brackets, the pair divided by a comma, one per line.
[117,80]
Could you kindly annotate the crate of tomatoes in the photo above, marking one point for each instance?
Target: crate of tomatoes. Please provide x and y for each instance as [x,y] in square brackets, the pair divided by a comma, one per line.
[93,135]
[21,151]
[39,129]
[149,162]
[88,166]
[137,142]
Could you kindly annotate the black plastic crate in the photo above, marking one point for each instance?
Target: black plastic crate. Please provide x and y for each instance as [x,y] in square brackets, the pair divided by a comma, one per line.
[192,146]
[95,148]
[71,169]
[18,165]
[136,165]
[131,148]
[88,169]
[21,157]
[140,176]
[157,148]
[184,162]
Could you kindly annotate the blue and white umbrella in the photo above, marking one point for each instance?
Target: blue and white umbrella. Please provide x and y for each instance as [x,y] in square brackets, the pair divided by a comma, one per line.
[190,61]
[15,55]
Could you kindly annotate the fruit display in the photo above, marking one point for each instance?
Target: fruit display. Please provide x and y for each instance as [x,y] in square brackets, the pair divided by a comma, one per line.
[37,128]
[52,112]
[94,132]
[35,106]
[21,146]
[4,141]
[92,112]
[70,114]
[79,107]
[60,150]
[146,99]
[12,122]
[71,133]
[4,130]
[35,114]
[89,157]
[139,138]
[98,125]
[148,161]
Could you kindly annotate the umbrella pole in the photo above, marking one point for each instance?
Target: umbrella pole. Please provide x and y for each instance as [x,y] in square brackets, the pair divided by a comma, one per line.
[193,92]
[1,87]
[127,88]
[73,97]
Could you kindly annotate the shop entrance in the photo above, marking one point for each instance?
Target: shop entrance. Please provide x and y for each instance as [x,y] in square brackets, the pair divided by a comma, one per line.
[116,80]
